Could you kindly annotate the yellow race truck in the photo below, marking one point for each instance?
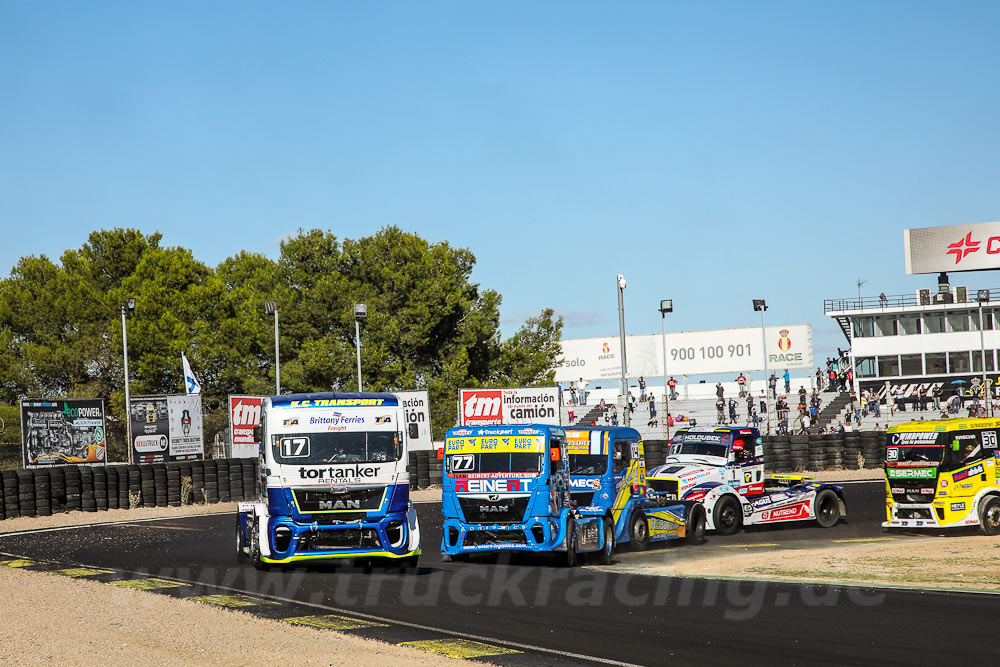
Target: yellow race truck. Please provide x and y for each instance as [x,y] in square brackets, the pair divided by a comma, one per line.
[943,473]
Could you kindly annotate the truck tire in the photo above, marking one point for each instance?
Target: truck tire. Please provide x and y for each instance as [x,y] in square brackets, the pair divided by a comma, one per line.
[694,532]
[255,556]
[728,515]
[638,532]
[828,508]
[569,557]
[608,548]
[989,515]
[241,556]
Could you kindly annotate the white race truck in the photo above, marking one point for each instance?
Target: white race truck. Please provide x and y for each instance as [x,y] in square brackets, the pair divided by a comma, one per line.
[723,468]
[334,483]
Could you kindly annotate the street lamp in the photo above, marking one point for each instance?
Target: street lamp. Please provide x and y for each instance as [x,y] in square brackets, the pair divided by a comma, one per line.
[271,308]
[666,306]
[982,296]
[627,420]
[127,309]
[761,305]
[360,313]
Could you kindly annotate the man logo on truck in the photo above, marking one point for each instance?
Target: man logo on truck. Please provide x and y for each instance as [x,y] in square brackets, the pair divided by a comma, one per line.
[340,504]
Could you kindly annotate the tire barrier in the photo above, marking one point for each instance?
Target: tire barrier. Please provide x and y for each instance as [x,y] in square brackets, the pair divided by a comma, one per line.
[56,489]
[424,469]
[784,453]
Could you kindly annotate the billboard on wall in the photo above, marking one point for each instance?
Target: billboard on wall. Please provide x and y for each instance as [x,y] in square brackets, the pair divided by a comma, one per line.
[61,432]
[244,416]
[166,428]
[417,418]
[521,405]
[974,247]
[688,353]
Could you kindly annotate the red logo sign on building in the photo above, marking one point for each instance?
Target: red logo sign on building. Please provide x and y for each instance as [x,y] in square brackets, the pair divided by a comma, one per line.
[963,247]
[784,342]
[481,407]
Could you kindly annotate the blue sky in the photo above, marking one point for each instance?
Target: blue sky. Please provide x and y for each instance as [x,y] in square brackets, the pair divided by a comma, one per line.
[712,152]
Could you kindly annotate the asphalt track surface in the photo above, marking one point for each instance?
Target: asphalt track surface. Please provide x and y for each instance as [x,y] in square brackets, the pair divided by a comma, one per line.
[533,612]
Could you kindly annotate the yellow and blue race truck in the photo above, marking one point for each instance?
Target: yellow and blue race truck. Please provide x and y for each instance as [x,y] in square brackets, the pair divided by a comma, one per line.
[508,488]
[607,468]
[334,483]
[943,473]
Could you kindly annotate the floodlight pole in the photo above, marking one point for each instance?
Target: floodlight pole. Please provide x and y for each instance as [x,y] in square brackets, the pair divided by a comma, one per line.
[127,309]
[761,305]
[666,306]
[983,295]
[272,309]
[627,420]
[360,312]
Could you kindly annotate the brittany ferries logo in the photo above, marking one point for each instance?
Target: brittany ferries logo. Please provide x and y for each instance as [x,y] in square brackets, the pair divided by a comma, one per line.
[964,247]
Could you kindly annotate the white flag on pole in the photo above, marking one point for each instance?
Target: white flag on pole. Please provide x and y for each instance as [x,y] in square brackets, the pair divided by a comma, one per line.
[191,384]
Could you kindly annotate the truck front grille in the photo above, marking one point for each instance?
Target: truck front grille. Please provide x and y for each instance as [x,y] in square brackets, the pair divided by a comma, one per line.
[482,510]
[345,538]
[480,537]
[356,499]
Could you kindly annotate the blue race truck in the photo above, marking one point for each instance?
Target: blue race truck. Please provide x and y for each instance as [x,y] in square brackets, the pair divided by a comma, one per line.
[608,472]
[334,483]
[508,489]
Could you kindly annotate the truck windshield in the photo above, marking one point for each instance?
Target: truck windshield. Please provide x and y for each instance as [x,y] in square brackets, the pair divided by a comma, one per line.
[923,455]
[588,464]
[340,447]
[702,444]
[460,464]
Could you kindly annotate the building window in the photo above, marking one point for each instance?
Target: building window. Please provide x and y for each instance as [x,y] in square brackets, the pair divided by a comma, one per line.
[909,325]
[936,363]
[911,364]
[958,321]
[958,362]
[933,323]
[977,361]
[888,366]
[866,367]
[864,327]
[885,325]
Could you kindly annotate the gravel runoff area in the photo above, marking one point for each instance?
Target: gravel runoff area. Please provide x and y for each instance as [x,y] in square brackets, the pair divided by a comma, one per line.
[52,619]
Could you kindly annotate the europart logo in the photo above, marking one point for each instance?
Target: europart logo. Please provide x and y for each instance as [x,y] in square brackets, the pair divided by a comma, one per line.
[964,247]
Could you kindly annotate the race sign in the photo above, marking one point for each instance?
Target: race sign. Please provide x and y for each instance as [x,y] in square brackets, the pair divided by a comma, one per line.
[166,428]
[524,405]
[417,418]
[61,432]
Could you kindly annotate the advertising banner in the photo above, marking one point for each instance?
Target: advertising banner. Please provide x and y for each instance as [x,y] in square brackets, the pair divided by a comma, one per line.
[522,405]
[185,431]
[166,428]
[61,432]
[417,411]
[973,247]
[688,353]
[244,416]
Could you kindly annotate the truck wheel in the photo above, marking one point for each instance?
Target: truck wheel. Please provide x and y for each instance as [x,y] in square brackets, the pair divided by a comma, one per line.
[728,515]
[241,555]
[827,508]
[569,557]
[638,532]
[695,525]
[989,515]
[255,556]
[604,556]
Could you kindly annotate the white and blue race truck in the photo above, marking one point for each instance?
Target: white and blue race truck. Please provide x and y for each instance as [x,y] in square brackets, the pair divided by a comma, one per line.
[723,468]
[334,483]
[509,489]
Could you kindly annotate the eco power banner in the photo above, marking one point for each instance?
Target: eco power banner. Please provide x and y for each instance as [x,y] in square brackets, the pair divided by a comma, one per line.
[166,428]
[417,417]
[522,405]
[688,353]
[244,416]
[61,432]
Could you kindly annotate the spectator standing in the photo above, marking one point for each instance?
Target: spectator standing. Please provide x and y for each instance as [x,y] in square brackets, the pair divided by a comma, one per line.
[642,388]
[572,393]
[819,379]
[652,406]
[832,386]
[719,391]
[788,382]
[772,383]
[732,410]
[672,383]
[742,382]
[614,415]
[720,411]
[883,300]
[581,389]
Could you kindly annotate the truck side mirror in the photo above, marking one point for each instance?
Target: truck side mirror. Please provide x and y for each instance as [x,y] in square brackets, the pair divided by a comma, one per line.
[413,431]
[554,454]
[258,433]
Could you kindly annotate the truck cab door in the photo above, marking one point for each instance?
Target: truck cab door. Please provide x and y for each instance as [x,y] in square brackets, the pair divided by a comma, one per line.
[743,473]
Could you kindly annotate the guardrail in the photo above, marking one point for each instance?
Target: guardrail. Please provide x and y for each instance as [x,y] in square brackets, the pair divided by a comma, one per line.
[900,301]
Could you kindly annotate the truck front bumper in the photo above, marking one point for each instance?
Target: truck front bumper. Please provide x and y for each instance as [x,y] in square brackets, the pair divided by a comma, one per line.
[538,535]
